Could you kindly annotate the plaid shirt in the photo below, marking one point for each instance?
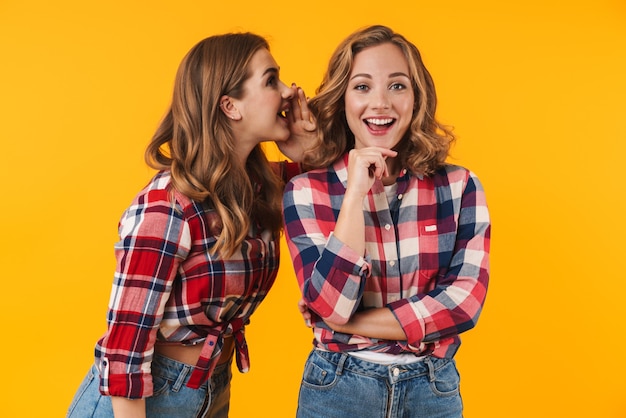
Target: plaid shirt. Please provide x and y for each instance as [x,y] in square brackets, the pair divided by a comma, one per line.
[168,287]
[426,258]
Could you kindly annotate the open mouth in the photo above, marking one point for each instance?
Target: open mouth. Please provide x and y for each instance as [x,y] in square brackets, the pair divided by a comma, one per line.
[283,113]
[379,124]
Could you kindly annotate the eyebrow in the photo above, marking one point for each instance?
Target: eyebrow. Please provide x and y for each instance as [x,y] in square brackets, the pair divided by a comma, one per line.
[399,74]
[273,70]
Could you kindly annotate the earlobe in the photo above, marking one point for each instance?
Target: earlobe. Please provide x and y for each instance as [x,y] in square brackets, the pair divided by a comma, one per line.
[228,107]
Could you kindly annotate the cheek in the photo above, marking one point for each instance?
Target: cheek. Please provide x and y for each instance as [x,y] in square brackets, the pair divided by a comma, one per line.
[353,110]
[409,104]
[354,122]
[406,115]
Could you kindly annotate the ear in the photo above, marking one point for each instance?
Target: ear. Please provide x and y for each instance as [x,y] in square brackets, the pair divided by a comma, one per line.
[228,107]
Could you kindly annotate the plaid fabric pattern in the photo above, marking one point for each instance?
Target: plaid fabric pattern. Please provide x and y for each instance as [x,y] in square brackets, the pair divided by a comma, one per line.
[426,258]
[167,286]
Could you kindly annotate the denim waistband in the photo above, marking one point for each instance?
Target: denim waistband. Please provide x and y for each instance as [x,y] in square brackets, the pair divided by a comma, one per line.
[181,372]
[425,366]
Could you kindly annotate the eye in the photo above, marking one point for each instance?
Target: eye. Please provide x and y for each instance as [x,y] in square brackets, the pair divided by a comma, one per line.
[361,87]
[397,86]
[272,81]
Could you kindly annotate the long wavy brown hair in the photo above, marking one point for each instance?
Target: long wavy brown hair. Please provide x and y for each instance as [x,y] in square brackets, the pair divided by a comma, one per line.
[196,143]
[426,144]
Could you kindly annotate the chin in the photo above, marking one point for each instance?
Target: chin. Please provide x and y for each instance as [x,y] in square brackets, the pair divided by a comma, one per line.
[282,137]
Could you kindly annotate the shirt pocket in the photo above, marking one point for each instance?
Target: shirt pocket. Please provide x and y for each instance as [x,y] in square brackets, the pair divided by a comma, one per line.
[435,247]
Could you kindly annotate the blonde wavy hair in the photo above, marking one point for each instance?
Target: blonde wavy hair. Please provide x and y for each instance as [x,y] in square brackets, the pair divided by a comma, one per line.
[196,143]
[426,144]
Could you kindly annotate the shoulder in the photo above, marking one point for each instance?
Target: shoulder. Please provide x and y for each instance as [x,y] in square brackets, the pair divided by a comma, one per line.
[313,179]
[158,199]
[158,215]
[160,190]
[450,174]
[329,178]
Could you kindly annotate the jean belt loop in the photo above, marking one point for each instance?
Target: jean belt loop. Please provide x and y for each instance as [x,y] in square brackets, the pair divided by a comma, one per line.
[342,360]
[180,380]
[431,369]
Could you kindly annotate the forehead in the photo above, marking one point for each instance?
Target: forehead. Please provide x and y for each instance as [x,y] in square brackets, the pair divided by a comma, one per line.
[382,59]
[261,61]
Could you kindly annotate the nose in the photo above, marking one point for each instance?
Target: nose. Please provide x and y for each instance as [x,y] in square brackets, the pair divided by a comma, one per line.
[381,100]
[286,92]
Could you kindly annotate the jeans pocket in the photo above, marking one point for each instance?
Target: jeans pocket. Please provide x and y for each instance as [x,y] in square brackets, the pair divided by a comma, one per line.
[167,400]
[447,380]
[160,385]
[319,372]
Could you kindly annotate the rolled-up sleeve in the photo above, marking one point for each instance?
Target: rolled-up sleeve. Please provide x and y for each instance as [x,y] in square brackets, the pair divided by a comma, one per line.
[154,238]
[330,274]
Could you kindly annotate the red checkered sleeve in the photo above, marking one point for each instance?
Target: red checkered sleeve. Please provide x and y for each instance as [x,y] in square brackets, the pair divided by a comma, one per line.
[331,275]
[154,238]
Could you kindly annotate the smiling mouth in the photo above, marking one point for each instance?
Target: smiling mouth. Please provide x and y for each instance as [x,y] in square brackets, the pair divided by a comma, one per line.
[379,124]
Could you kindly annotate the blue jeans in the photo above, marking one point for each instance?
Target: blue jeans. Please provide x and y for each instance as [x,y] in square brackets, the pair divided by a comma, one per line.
[171,397]
[337,385]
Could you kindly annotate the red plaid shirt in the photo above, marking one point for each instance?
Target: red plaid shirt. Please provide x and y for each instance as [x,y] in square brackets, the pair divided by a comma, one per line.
[426,258]
[168,287]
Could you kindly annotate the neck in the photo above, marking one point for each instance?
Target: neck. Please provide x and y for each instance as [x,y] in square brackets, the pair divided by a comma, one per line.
[243,152]
[393,168]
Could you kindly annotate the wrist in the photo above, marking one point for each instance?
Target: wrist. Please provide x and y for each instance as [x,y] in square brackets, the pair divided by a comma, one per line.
[353,198]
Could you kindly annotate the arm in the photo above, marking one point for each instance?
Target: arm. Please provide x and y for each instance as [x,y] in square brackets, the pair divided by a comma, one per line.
[331,272]
[154,239]
[364,166]
[128,408]
[455,302]
[458,293]
[377,323]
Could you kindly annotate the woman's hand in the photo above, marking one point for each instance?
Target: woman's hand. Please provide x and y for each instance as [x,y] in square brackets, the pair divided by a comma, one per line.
[302,127]
[304,311]
[365,165]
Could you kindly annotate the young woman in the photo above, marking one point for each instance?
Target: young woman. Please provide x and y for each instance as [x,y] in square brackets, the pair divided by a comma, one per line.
[390,243]
[199,245]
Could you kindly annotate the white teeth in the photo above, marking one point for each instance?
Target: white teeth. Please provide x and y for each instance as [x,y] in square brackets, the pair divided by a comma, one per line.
[379,121]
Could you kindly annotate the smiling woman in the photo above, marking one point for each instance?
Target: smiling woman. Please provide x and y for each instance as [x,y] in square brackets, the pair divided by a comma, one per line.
[379,98]
[199,245]
[390,243]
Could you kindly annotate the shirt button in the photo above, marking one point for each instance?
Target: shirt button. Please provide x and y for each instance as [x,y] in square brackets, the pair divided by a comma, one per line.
[392,263]
[387,227]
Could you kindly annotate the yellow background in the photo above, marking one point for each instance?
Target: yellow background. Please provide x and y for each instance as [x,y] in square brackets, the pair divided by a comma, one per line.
[535,90]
